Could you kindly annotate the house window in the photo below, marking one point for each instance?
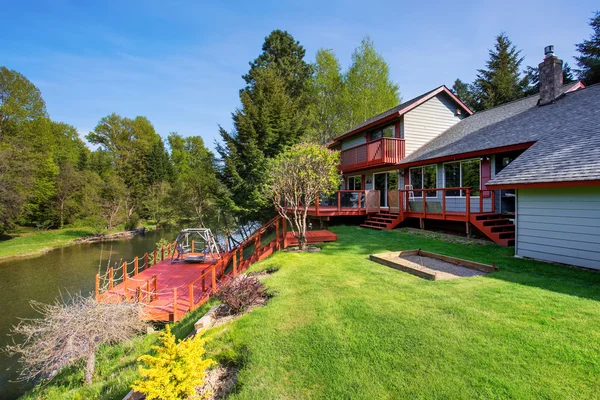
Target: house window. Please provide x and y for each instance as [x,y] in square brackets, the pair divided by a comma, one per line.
[424,178]
[388,131]
[461,174]
[355,182]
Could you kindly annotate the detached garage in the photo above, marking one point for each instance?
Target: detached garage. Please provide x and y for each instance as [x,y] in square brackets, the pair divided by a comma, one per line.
[560,225]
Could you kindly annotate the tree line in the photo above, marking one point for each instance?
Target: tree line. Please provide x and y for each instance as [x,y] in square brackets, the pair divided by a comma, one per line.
[49,177]
[502,79]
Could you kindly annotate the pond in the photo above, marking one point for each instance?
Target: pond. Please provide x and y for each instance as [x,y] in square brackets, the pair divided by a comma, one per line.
[66,270]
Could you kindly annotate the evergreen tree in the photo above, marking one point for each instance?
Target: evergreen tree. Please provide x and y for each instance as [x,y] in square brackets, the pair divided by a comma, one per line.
[464,92]
[272,117]
[327,97]
[589,60]
[500,82]
[369,90]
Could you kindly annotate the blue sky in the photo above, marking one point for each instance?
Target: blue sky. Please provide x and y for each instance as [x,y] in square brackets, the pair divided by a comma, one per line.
[180,62]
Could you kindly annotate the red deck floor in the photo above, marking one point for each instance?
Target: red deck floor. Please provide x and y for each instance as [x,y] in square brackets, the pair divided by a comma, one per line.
[179,275]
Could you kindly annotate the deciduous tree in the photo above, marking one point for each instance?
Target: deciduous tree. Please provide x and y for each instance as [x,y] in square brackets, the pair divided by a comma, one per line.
[297,177]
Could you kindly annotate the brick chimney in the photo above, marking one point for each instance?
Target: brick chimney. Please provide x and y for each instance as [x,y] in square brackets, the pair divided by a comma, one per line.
[551,76]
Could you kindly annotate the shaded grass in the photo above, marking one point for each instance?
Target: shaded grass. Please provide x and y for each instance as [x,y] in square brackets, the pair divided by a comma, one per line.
[342,326]
[116,367]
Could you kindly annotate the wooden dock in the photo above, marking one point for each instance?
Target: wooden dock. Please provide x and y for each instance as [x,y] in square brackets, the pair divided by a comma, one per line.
[170,289]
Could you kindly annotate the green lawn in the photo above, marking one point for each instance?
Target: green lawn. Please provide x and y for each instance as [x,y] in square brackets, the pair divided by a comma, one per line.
[342,326]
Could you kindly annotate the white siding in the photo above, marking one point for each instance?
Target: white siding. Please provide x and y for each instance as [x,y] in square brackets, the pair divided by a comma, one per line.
[428,120]
[354,141]
[560,225]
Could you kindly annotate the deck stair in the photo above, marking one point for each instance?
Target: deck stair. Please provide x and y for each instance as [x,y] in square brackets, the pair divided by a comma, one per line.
[496,227]
[383,220]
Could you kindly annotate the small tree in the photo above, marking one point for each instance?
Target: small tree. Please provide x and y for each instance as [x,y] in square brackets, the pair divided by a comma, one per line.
[70,330]
[298,176]
[176,369]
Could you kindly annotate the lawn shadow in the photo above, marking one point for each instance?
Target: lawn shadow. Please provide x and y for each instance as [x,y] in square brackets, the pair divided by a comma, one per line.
[548,276]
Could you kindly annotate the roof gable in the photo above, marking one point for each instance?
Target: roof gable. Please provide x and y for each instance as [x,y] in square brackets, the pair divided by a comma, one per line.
[401,109]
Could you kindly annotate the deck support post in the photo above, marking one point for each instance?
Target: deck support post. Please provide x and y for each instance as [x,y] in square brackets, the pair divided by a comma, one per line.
[468,229]
[422,223]
[443,203]
[192,246]
[110,278]
[125,281]
[174,304]
[191,297]
[135,266]
[97,287]
[214,280]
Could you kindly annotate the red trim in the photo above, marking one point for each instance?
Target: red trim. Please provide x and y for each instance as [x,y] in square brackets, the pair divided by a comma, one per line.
[577,86]
[545,185]
[397,130]
[471,154]
[401,112]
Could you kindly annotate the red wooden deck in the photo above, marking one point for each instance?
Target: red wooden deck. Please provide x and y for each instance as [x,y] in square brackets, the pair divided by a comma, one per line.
[172,289]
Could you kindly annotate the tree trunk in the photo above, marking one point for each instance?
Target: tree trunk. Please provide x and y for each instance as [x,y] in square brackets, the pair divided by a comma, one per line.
[90,365]
[62,209]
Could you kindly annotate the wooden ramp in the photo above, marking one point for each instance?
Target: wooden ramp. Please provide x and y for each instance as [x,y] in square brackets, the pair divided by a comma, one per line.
[167,290]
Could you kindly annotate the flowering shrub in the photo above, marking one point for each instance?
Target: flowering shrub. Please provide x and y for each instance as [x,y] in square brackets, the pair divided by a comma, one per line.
[176,369]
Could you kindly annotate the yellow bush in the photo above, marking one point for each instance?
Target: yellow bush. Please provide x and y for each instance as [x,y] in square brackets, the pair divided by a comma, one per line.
[176,369]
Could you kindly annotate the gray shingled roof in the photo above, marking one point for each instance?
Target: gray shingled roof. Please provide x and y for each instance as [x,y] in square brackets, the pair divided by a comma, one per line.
[566,136]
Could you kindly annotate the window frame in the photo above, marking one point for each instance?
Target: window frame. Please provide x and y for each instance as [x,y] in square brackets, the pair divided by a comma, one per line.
[353,177]
[460,162]
[381,129]
[422,167]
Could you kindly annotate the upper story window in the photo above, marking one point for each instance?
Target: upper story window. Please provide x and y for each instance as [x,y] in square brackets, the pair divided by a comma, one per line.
[461,174]
[388,131]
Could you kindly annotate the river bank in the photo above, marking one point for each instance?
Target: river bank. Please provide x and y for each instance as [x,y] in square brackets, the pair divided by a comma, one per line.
[31,243]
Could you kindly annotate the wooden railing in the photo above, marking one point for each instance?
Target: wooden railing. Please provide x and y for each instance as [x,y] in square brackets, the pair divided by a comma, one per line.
[232,263]
[377,152]
[347,200]
[445,201]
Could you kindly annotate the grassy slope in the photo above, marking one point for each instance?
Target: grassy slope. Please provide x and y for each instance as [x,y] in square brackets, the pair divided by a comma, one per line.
[116,368]
[342,326]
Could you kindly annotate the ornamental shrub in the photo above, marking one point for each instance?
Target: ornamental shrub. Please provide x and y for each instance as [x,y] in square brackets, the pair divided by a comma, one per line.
[241,293]
[177,368]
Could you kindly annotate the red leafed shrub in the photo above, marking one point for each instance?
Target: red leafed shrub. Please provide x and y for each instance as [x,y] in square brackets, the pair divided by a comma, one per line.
[241,293]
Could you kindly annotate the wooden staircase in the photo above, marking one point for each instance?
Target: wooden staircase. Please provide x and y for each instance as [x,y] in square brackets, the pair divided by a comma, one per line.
[383,220]
[495,227]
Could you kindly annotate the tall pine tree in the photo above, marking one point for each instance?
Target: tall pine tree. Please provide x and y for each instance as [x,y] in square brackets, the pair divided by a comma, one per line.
[501,81]
[273,116]
[464,92]
[589,60]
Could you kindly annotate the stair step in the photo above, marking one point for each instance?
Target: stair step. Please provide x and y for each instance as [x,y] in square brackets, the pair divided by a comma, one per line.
[507,235]
[484,217]
[382,219]
[372,226]
[490,222]
[503,228]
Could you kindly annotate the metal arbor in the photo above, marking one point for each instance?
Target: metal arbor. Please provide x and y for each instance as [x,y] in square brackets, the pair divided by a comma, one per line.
[197,245]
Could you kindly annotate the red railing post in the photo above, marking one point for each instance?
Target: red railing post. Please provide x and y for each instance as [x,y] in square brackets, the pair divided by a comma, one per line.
[110,278]
[317,205]
[125,281]
[174,304]
[135,266]
[235,261]
[155,255]
[155,282]
[214,280]
[149,298]
[480,200]
[146,265]
[97,287]
[493,201]
[162,253]
[424,193]
[468,203]
[444,203]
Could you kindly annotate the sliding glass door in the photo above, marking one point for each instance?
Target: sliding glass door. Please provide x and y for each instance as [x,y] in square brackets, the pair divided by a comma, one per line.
[385,182]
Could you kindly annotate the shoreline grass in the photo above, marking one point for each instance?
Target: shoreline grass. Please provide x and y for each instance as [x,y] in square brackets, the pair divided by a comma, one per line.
[30,242]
